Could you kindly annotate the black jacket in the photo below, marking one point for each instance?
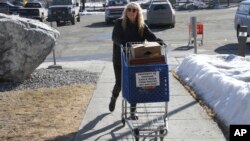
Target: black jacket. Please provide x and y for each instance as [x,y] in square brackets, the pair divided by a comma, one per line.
[131,34]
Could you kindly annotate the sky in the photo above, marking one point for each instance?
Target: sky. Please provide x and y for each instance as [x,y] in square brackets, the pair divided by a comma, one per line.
[223,83]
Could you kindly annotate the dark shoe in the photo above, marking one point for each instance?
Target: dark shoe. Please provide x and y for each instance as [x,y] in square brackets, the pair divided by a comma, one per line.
[112,104]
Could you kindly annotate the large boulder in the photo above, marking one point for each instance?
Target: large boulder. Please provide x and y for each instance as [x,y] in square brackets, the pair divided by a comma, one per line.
[24,45]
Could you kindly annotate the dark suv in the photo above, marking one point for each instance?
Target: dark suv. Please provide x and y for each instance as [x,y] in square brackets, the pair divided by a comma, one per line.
[9,8]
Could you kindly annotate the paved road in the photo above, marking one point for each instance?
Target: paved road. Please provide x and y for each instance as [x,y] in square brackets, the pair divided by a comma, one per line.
[91,38]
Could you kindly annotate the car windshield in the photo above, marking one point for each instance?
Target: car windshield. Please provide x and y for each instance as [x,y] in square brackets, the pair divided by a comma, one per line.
[6,4]
[33,5]
[117,3]
[62,2]
[162,7]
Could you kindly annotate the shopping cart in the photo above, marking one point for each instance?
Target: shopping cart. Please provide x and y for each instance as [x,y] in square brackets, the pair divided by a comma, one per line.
[151,97]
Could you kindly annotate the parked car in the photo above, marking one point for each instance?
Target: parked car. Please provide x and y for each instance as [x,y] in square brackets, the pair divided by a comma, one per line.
[114,9]
[190,5]
[242,16]
[9,8]
[34,10]
[145,3]
[161,13]
[64,10]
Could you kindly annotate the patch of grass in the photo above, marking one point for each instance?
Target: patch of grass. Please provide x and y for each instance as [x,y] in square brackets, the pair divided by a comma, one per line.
[43,114]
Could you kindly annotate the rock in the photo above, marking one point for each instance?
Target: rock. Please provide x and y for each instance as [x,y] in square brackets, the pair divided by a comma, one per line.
[24,45]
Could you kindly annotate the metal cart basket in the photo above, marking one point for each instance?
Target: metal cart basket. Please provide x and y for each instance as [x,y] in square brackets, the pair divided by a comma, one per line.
[148,87]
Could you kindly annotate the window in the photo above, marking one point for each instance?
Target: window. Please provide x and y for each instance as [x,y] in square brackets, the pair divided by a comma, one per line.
[243,9]
[117,3]
[3,5]
[33,5]
[159,7]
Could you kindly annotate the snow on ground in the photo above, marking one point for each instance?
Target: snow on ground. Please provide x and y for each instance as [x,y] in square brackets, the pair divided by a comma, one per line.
[91,13]
[94,4]
[223,82]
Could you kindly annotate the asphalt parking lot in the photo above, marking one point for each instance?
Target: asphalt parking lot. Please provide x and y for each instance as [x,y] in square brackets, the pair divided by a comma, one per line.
[90,39]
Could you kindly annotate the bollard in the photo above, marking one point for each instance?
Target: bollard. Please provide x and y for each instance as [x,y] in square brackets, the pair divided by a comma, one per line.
[194,32]
[54,57]
[242,38]
[54,54]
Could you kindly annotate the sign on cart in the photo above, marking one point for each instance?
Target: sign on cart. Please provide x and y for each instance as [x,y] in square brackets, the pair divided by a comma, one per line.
[147,79]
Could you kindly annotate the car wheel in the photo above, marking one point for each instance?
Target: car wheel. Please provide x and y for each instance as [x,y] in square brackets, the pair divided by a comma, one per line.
[173,25]
[78,18]
[108,21]
[73,21]
[41,19]
[58,23]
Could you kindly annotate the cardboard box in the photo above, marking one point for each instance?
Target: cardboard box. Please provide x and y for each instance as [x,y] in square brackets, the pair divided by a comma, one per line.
[148,60]
[148,49]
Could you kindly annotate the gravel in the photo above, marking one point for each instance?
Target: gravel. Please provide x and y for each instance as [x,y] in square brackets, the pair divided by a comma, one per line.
[50,78]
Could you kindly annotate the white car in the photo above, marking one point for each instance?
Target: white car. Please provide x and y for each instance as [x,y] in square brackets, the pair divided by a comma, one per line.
[34,10]
[64,10]
[161,13]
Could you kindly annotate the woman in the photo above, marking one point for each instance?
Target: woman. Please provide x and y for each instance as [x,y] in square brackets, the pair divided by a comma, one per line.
[129,28]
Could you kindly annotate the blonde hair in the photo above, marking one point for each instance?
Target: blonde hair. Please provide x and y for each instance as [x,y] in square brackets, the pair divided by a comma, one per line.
[139,17]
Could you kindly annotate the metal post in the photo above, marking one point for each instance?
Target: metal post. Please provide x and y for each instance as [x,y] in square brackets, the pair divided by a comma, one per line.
[54,57]
[194,32]
[54,54]
[242,38]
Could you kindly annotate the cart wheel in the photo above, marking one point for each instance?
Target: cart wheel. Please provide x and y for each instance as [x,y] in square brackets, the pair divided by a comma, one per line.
[136,132]
[155,139]
[123,122]
[161,133]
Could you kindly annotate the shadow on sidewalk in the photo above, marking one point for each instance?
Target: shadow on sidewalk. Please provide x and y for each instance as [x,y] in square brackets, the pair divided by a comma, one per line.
[88,130]
[183,48]
[86,133]
[125,135]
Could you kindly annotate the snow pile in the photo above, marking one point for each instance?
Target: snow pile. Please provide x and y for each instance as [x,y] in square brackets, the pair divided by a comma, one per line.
[223,83]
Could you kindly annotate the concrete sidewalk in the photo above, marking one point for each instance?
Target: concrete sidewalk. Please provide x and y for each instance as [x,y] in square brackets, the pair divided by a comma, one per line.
[187,119]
